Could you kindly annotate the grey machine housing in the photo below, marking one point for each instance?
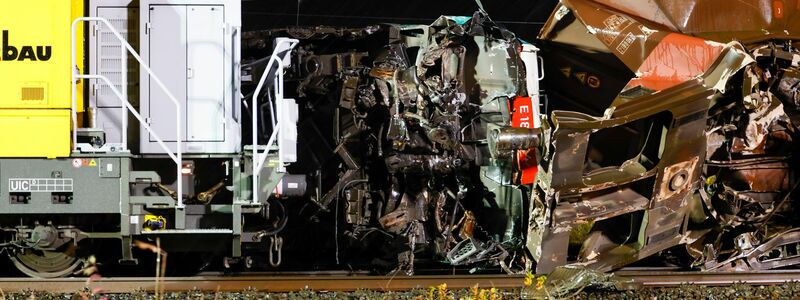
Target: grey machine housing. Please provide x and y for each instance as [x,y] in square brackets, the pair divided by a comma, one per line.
[200,68]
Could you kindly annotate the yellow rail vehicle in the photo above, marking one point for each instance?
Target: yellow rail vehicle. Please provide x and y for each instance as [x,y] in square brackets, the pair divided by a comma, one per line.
[35,97]
[121,121]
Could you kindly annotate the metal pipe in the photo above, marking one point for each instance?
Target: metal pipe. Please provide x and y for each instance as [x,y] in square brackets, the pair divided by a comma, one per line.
[516,138]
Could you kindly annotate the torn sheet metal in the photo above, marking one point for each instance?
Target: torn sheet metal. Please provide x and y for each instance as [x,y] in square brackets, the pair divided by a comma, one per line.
[693,154]
[718,20]
[659,57]
[677,58]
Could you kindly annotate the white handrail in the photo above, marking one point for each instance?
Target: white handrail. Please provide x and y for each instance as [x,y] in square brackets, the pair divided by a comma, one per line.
[259,159]
[124,84]
[132,110]
[177,157]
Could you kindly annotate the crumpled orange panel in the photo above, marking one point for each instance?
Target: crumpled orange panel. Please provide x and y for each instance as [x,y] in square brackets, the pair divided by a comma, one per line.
[719,20]
[676,59]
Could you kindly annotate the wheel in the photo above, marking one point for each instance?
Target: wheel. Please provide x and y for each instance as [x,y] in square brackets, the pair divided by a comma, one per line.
[47,263]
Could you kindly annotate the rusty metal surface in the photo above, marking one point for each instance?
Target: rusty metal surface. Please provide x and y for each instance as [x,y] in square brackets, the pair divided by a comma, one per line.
[633,29]
[719,20]
[261,283]
[694,155]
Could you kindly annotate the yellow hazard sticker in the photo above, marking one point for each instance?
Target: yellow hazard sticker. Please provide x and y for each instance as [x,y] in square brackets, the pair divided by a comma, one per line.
[84,162]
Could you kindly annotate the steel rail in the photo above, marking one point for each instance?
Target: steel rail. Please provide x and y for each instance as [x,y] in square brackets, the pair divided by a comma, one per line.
[261,283]
[671,278]
[277,283]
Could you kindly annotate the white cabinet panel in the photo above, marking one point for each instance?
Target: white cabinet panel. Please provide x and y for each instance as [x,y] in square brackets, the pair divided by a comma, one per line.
[189,45]
[167,49]
[206,81]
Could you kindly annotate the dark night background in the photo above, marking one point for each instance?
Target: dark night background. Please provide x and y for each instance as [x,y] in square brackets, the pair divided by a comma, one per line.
[523,17]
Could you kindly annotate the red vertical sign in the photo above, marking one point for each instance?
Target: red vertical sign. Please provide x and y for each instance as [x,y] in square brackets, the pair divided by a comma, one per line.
[522,115]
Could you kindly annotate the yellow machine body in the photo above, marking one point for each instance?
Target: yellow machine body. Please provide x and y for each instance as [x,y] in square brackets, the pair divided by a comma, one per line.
[35,65]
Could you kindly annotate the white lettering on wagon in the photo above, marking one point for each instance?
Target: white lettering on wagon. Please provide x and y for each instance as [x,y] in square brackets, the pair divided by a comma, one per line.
[41,185]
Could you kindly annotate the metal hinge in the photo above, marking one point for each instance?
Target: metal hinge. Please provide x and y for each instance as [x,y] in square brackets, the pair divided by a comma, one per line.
[147,27]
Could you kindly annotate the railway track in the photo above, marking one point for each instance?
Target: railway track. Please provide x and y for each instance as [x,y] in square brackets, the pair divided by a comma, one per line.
[261,283]
[655,278]
[277,283]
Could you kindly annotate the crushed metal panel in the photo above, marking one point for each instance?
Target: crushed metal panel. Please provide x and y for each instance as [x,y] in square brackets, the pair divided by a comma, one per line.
[721,165]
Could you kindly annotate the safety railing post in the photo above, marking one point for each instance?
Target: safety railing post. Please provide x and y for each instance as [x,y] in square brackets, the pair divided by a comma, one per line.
[259,159]
[124,84]
[177,157]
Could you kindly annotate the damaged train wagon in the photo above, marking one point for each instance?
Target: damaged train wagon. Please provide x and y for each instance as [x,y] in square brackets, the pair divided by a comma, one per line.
[672,131]
[392,136]
[662,129]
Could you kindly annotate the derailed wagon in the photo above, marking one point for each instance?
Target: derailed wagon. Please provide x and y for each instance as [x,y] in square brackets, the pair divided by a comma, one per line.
[695,154]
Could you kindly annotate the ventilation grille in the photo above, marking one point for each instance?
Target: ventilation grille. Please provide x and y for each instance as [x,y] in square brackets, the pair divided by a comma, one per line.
[110,57]
[32,94]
